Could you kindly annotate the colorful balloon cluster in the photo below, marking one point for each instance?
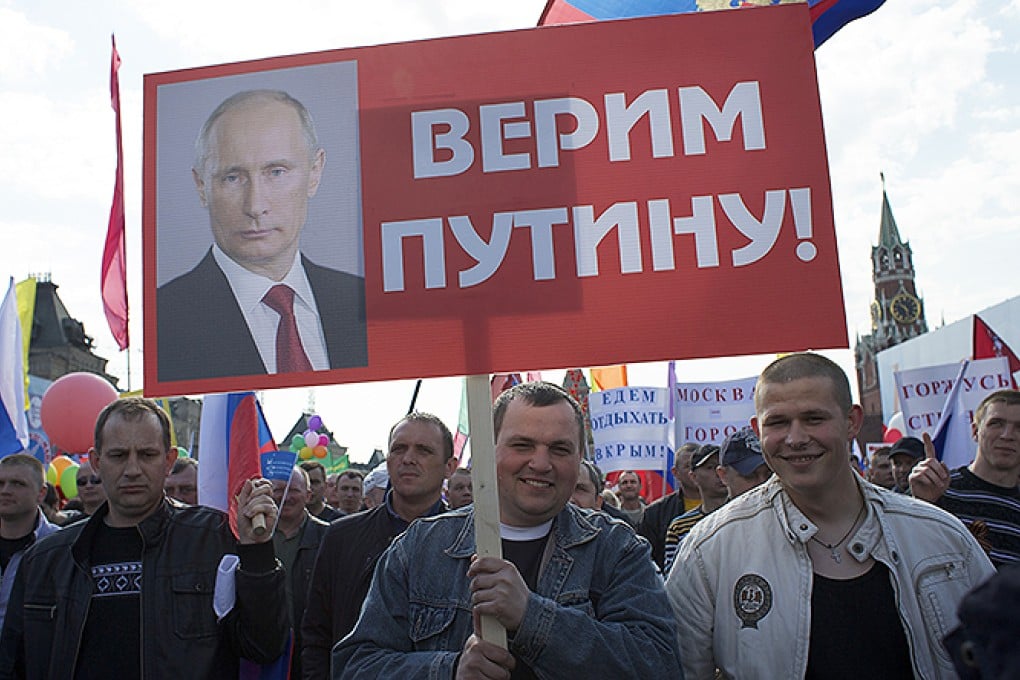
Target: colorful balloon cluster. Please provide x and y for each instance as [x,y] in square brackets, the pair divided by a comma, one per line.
[310,443]
[62,473]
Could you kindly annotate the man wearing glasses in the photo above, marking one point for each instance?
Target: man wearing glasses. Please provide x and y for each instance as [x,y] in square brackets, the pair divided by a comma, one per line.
[90,489]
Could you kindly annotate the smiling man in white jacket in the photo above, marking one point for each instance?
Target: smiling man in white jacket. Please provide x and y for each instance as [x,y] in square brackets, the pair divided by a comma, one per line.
[798,577]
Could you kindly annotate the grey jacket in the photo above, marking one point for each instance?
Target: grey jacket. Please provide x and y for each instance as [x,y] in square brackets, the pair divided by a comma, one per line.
[741,586]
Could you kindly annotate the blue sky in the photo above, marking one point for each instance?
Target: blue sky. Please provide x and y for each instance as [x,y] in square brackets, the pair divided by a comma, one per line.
[926,92]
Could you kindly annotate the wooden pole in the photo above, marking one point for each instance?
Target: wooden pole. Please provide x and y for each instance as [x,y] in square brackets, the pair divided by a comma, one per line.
[483,481]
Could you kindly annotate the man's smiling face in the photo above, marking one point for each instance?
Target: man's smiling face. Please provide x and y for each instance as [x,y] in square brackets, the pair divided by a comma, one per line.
[804,433]
[537,460]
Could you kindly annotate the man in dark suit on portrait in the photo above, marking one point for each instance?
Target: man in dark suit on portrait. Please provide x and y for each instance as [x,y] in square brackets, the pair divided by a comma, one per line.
[255,304]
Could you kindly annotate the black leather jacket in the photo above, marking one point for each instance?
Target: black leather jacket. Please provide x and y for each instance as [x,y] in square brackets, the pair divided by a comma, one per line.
[300,576]
[340,580]
[181,638]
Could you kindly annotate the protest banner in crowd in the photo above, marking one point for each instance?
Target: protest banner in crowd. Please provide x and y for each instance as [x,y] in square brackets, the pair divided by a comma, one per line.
[630,427]
[708,412]
[923,392]
[475,189]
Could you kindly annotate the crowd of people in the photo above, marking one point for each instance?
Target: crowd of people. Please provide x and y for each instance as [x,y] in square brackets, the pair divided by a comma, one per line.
[773,558]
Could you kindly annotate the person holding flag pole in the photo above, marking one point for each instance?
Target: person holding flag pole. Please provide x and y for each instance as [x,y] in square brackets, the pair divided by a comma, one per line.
[148,588]
[575,591]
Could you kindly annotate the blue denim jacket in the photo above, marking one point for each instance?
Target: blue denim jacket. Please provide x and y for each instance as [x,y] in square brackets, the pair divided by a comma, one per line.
[600,607]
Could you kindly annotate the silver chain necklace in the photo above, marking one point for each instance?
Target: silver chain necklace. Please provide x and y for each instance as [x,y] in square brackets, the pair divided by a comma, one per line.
[832,546]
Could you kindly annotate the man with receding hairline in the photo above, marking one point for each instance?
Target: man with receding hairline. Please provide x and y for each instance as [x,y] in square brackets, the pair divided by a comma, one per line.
[776,583]
[419,459]
[134,591]
[632,506]
[255,304]
[297,539]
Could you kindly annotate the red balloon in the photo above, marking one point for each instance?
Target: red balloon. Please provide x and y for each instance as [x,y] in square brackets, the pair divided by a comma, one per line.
[70,407]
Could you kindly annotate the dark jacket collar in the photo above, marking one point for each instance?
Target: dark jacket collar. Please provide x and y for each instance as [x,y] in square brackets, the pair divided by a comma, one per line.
[152,529]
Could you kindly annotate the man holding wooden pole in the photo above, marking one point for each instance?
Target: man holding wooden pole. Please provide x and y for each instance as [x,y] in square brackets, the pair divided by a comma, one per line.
[575,590]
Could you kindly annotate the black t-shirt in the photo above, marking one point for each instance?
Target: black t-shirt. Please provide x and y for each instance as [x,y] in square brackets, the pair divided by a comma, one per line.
[111,643]
[527,557]
[856,630]
[11,546]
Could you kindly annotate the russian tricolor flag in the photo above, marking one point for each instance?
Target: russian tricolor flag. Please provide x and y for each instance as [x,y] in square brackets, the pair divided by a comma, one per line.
[827,16]
[952,436]
[234,439]
[234,434]
[13,421]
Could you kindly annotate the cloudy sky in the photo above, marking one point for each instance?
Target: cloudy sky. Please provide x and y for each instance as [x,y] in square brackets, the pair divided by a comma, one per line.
[926,92]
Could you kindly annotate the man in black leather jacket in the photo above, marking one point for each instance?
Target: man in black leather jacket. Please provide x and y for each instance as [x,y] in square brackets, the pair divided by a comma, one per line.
[129,593]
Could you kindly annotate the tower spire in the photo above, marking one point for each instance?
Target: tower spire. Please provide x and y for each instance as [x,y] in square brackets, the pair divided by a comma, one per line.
[888,234]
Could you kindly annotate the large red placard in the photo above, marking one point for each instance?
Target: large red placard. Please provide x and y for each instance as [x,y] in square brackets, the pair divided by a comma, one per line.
[579,195]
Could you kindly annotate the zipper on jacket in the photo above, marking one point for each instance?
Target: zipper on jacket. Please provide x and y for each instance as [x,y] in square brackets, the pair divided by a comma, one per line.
[52,609]
[84,622]
[908,631]
[141,610]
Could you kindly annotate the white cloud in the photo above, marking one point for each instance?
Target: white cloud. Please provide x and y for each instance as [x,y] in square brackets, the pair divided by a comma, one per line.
[27,49]
[263,28]
[57,150]
[921,93]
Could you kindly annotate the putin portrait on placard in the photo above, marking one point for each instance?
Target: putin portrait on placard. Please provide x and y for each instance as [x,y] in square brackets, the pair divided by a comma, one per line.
[255,304]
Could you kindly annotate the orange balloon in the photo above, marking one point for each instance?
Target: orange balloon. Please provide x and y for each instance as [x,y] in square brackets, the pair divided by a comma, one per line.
[61,463]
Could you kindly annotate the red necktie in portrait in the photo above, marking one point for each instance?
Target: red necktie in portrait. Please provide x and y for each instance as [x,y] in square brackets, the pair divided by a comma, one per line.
[290,355]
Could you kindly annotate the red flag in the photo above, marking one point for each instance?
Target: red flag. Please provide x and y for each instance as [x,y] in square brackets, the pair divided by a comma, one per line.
[113,277]
[987,345]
